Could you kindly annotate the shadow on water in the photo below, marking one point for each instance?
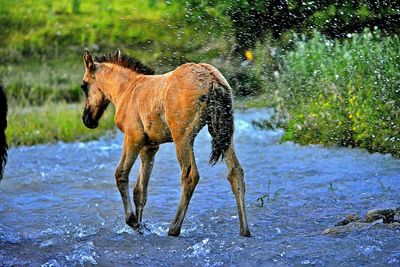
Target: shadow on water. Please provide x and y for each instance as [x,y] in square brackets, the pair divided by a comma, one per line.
[59,205]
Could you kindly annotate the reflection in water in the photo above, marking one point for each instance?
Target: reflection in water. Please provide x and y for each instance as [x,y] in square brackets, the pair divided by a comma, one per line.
[59,205]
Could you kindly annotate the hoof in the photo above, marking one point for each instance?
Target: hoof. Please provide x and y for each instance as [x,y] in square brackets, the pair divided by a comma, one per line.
[132,222]
[174,232]
[245,233]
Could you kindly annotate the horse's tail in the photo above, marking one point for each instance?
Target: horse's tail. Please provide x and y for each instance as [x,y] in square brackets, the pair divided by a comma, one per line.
[220,115]
[3,126]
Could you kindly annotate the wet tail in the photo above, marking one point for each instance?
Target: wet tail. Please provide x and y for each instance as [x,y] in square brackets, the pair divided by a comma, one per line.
[220,119]
[3,126]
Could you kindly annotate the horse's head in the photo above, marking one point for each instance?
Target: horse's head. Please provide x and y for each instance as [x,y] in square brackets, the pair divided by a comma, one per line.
[95,100]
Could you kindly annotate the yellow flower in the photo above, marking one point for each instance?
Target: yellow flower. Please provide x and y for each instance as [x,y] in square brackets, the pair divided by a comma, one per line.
[249,55]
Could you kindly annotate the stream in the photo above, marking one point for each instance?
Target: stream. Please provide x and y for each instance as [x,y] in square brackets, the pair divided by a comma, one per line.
[59,205]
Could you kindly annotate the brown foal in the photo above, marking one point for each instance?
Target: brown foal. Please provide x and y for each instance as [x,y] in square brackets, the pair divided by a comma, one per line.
[154,109]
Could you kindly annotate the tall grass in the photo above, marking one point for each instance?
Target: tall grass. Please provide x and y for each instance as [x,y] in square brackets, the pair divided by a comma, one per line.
[154,31]
[51,123]
[343,92]
[39,82]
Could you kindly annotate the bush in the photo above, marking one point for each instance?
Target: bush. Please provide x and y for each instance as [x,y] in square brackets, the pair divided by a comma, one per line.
[343,92]
[244,82]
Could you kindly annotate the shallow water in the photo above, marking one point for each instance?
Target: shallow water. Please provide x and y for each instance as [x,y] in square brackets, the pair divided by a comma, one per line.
[59,206]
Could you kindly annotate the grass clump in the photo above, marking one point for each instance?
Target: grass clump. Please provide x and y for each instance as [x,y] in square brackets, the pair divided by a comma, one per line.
[35,83]
[51,123]
[342,92]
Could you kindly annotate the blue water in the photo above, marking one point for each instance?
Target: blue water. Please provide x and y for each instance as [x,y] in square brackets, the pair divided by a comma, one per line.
[59,206]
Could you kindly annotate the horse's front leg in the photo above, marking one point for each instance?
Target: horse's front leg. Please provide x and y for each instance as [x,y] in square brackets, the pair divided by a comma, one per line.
[130,152]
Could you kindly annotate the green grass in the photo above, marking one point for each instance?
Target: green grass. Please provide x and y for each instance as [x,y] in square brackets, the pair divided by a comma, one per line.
[261,101]
[39,82]
[342,92]
[53,122]
[153,31]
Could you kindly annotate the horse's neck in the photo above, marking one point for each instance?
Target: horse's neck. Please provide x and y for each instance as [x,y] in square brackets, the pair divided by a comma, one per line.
[117,84]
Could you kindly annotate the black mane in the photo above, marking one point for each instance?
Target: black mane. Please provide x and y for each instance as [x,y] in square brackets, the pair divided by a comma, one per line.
[127,62]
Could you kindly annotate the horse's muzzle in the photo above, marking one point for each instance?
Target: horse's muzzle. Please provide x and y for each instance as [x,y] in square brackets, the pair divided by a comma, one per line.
[88,120]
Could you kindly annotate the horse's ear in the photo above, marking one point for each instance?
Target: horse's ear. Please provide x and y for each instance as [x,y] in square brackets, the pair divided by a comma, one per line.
[88,60]
[118,54]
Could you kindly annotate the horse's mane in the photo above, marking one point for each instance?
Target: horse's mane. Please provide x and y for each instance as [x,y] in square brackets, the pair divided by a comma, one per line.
[3,126]
[127,62]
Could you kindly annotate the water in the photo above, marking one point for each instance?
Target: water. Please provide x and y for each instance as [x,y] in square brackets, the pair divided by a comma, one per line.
[59,206]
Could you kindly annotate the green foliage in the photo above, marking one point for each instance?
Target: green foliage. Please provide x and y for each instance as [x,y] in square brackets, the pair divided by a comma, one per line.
[153,31]
[252,20]
[343,92]
[52,123]
[244,81]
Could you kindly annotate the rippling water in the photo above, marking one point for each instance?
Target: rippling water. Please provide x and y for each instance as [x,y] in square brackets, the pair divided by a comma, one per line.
[59,205]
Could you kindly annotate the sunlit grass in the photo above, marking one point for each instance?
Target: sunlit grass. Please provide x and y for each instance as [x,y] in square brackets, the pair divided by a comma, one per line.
[51,123]
[153,31]
[39,82]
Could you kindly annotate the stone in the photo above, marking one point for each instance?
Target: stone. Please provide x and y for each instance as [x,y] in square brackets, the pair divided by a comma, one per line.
[387,218]
[353,217]
[346,228]
[387,215]
[349,218]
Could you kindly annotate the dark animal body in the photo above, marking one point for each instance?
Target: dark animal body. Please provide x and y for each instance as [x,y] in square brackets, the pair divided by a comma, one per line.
[3,126]
[154,109]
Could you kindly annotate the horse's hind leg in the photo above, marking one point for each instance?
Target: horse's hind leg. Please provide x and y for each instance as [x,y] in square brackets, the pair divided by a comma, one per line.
[235,177]
[130,152]
[147,155]
[189,179]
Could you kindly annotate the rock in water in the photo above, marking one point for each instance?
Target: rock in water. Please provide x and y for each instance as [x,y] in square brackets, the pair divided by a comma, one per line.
[349,218]
[387,215]
[341,229]
[378,217]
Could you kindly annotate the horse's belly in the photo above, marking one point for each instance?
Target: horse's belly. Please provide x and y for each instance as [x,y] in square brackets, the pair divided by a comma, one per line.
[157,131]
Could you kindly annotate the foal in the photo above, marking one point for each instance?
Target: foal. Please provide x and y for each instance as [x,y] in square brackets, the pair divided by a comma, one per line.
[154,109]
